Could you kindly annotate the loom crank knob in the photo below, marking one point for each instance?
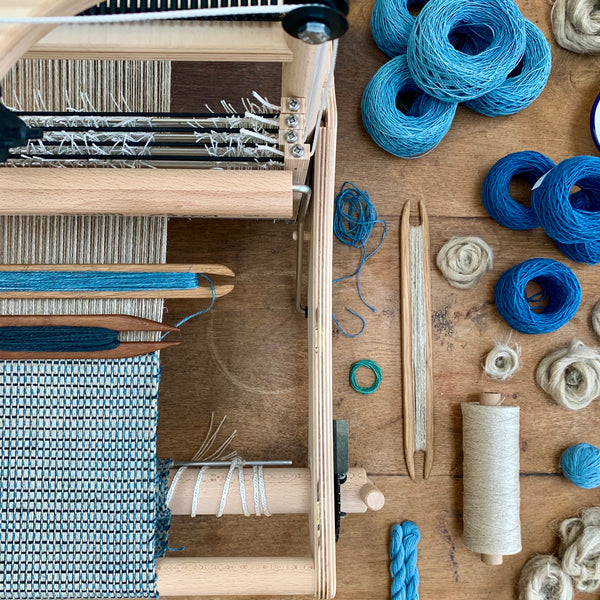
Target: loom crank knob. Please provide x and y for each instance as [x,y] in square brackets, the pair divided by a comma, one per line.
[315,24]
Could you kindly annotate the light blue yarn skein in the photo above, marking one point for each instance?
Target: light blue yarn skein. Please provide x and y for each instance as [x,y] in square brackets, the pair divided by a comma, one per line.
[391,24]
[524,83]
[495,195]
[580,464]
[442,70]
[553,204]
[559,285]
[410,134]
[403,565]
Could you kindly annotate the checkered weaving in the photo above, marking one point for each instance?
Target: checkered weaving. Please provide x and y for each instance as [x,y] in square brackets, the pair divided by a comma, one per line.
[78,479]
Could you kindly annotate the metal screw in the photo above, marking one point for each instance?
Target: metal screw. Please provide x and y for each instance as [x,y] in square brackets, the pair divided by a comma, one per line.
[291,137]
[314,33]
[298,150]
[291,121]
[294,104]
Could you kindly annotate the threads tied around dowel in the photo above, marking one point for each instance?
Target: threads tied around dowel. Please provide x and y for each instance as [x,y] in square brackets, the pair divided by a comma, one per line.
[491,494]
[403,561]
[524,313]
[502,361]
[442,70]
[542,578]
[495,195]
[570,375]
[580,464]
[463,260]
[401,118]
[576,25]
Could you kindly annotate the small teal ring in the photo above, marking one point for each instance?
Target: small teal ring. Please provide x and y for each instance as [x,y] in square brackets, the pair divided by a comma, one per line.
[374,367]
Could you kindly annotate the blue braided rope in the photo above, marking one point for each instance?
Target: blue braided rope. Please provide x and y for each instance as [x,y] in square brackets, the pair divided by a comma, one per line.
[403,566]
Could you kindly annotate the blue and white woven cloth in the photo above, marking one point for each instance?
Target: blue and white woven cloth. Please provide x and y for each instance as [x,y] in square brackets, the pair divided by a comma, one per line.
[82,495]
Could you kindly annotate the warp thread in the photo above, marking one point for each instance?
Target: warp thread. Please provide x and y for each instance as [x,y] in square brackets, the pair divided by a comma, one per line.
[401,118]
[576,25]
[559,287]
[354,218]
[376,370]
[542,578]
[580,464]
[502,361]
[491,496]
[463,260]
[403,565]
[570,375]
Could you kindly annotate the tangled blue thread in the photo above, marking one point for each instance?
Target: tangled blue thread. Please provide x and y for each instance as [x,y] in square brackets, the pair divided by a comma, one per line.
[443,70]
[524,83]
[354,218]
[408,130]
[580,464]
[403,565]
[495,195]
[560,287]
[391,24]
[557,210]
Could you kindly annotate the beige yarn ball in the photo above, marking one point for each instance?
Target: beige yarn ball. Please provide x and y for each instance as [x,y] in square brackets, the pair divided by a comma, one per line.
[542,578]
[576,25]
[502,361]
[463,260]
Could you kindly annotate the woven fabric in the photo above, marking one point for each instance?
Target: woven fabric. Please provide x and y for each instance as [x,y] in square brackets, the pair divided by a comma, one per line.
[79,480]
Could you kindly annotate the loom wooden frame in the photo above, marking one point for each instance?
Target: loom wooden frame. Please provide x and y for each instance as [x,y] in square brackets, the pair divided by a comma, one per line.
[304,76]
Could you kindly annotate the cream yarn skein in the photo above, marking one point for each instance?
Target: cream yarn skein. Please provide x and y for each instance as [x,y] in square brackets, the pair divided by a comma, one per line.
[576,25]
[502,361]
[463,260]
[542,578]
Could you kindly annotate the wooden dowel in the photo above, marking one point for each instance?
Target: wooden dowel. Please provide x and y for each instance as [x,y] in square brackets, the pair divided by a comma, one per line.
[287,491]
[491,399]
[115,322]
[141,192]
[235,576]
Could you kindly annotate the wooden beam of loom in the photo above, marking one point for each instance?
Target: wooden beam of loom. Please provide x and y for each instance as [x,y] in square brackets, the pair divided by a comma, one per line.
[238,194]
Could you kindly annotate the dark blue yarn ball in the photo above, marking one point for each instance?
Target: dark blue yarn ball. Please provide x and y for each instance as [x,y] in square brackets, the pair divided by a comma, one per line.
[560,287]
[495,195]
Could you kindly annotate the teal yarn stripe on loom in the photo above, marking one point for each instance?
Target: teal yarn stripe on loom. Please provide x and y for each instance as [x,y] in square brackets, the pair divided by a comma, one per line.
[58,339]
[94,281]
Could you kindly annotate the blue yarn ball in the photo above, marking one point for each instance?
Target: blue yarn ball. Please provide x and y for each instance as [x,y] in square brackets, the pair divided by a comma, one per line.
[495,195]
[580,464]
[409,133]
[559,284]
[553,206]
[524,83]
[391,24]
[584,252]
[443,70]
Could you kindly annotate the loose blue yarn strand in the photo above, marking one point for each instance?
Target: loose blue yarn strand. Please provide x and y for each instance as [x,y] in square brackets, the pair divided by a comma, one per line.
[403,565]
[557,281]
[354,218]
[580,464]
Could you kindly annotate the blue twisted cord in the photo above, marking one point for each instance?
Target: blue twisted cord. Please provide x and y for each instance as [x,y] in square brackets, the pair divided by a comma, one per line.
[354,218]
[403,566]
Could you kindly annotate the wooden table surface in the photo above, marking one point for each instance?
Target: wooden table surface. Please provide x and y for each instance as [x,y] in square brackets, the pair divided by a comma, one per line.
[247,357]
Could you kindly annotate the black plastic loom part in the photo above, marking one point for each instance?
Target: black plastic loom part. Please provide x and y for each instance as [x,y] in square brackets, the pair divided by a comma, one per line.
[14,133]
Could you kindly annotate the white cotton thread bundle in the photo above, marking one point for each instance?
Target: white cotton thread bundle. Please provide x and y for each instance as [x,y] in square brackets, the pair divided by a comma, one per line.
[491,496]
[596,319]
[502,361]
[542,578]
[576,25]
[463,260]
[579,549]
[570,375]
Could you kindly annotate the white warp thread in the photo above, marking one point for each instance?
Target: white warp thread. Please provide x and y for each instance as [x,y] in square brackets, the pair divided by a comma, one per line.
[570,375]
[542,578]
[576,25]
[491,493]
[580,549]
[419,336]
[502,361]
[463,260]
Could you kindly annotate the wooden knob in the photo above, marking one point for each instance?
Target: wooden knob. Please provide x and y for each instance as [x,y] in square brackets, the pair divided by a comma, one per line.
[372,497]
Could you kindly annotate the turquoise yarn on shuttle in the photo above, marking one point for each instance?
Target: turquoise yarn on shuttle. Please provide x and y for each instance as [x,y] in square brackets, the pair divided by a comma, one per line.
[580,464]
[444,71]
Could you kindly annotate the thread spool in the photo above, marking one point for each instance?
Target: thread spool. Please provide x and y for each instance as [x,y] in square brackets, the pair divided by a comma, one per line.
[443,70]
[524,83]
[495,194]
[551,201]
[560,287]
[576,25]
[491,496]
[391,24]
[414,128]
